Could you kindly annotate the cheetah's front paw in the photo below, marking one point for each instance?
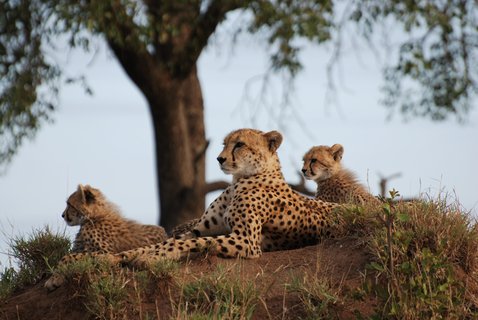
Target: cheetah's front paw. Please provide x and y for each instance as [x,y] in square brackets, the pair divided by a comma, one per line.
[54,282]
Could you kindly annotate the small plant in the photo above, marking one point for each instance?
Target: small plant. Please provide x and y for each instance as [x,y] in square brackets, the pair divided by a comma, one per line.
[318,296]
[81,272]
[103,286]
[218,296]
[148,282]
[7,282]
[35,255]
[164,269]
[107,295]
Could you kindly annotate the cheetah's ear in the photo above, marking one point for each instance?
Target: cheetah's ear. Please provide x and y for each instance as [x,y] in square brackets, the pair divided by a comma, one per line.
[89,194]
[81,190]
[274,139]
[337,151]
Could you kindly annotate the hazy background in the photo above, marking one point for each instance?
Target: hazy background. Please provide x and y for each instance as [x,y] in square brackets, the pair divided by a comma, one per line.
[106,139]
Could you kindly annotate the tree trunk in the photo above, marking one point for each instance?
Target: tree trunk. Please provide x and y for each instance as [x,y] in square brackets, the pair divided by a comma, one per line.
[178,121]
[164,69]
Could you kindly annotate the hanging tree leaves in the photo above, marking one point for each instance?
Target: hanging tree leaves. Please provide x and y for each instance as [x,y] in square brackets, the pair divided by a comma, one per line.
[434,76]
[28,86]
[436,72]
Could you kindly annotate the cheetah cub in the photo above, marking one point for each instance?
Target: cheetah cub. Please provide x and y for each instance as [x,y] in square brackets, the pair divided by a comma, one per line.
[102,228]
[334,183]
[258,212]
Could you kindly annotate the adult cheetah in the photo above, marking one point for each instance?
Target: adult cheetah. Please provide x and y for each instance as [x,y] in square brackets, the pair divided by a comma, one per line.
[102,228]
[258,212]
[334,183]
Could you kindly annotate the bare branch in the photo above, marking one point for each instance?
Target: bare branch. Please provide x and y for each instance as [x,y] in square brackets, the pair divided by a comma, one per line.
[215,186]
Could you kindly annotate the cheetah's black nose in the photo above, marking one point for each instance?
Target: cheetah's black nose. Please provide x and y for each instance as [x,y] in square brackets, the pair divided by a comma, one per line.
[304,171]
[221,160]
[63,215]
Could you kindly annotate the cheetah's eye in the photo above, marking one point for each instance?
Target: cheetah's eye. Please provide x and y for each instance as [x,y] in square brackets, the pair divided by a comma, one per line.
[239,144]
[313,160]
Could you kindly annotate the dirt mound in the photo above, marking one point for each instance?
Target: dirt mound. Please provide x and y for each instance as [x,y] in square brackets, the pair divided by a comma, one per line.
[339,261]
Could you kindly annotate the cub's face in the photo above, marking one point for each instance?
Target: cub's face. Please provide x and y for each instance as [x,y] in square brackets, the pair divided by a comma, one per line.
[78,203]
[322,162]
[72,215]
[248,152]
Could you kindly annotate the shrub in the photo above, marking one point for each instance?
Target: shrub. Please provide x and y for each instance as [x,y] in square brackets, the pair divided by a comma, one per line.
[35,255]
[425,257]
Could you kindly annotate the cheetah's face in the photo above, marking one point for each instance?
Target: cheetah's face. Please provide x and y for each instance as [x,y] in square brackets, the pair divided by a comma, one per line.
[72,216]
[76,211]
[322,162]
[248,152]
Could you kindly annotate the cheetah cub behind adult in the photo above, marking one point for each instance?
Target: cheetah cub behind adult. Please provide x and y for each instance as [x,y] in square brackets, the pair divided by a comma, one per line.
[334,183]
[258,212]
[102,228]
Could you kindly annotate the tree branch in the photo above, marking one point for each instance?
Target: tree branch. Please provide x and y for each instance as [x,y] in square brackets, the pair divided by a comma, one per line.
[133,56]
[137,65]
[201,31]
[215,186]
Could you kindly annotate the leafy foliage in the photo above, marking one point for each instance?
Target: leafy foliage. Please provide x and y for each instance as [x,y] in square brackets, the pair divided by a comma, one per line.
[440,55]
[287,21]
[24,100]
[435,75]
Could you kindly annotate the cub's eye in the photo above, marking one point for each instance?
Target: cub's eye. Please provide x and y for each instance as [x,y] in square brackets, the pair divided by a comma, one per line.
[313,160]
[239,144]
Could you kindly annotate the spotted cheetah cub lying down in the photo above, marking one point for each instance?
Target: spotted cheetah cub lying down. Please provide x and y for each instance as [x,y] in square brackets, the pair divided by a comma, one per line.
[102,228]
[258,212]
[334,183]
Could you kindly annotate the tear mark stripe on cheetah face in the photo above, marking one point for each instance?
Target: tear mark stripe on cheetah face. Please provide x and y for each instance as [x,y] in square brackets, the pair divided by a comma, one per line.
[258,212]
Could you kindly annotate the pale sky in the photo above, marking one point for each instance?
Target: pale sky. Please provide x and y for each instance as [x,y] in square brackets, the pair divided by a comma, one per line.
[105,140]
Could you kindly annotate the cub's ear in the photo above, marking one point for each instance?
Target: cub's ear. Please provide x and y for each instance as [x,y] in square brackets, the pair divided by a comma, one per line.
[89,194]
[274,139]
[337,151]
[81,191]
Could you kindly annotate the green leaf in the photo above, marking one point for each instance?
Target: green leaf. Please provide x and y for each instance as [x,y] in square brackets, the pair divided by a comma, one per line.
[376,266]
[386,209]
[443,287]
[403,217]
